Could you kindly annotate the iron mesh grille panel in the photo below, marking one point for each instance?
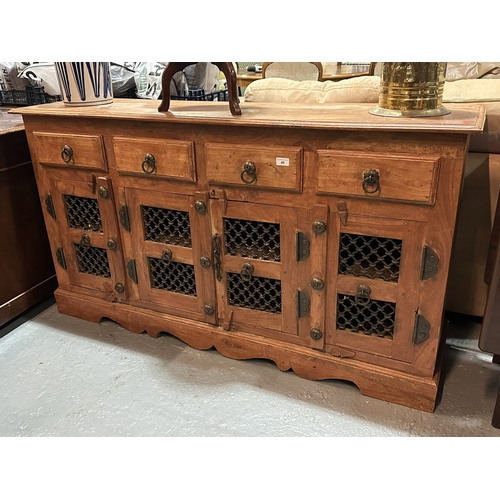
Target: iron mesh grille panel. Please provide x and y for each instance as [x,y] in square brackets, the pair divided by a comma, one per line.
[83,213]
[254,239]
[173,277]
[92,260]
[166,226]
[262,294]
[370,256]
[374,318]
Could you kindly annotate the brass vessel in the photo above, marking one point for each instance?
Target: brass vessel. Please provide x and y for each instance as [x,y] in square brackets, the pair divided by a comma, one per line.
[411,89]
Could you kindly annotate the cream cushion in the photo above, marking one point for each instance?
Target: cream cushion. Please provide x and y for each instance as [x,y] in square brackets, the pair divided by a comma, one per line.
[360,89]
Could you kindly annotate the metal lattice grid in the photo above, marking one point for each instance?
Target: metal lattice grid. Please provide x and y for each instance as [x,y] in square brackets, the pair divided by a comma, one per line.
[83,213]
[252,239]
[172,277]
[374,318]
[262,294]
[166,226]
[370,256]
[92,260]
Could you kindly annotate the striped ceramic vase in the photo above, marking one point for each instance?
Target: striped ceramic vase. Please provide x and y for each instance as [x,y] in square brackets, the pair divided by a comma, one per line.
[85,83]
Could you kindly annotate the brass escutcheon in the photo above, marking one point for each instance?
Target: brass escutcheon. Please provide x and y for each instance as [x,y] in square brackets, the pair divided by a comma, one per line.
[205,261]
[200,207]
[315,333]
[362,296]
[317,284]
[166,256]
[247,271]
[85,240]
[67,154]
[249,173]
[208,309]
[149,164]
[319,226]
[112,245]
[371,181]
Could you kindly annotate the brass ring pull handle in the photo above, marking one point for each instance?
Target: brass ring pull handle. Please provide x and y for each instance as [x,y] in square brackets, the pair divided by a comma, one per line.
[85,241]
[67,154]
[149,164]
[166,256]
[362,296]
[246,272]
[249,173]
[371,181]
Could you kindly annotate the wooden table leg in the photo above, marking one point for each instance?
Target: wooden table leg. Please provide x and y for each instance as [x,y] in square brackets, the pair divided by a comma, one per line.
[229,72]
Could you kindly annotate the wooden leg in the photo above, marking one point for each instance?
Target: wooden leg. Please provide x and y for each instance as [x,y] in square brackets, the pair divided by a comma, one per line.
[228,70]
[232,86]
[171,69]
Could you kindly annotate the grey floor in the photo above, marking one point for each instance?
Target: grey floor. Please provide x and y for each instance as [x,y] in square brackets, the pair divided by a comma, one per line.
[62,376]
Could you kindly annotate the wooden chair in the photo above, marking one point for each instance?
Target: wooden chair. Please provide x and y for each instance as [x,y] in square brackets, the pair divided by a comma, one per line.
[293,70]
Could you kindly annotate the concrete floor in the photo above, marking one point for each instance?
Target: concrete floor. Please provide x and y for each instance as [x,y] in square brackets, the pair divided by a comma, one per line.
[62,376]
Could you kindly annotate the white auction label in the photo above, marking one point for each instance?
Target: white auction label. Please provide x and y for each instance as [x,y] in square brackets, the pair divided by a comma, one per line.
[283,162]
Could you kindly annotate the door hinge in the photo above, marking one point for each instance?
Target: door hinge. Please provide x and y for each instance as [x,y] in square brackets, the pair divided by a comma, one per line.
[422,329]
[303,304]
[342,211]
[124,220]
[132,270]
[49,205]
[60,258]
[430,262]
[303,245]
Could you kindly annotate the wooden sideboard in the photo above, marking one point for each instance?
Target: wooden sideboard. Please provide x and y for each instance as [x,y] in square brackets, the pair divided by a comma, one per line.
[27,273]
[315,236]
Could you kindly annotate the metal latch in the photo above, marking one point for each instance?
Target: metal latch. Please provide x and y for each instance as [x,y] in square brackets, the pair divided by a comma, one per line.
[342,211]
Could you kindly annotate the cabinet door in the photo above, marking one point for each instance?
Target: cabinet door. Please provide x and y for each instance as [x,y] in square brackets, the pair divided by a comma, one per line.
[91,248]
[171,243]
[255,263]
[374,267]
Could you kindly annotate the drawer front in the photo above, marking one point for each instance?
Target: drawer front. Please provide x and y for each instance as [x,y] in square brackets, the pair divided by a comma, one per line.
[155,158]
[405,178]
[70,150]
[265,168]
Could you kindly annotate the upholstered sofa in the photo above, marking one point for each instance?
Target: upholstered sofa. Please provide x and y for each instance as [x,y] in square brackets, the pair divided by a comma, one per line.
[466,290]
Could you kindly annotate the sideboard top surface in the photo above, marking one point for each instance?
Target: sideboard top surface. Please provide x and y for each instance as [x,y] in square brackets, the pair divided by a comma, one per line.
[463,119]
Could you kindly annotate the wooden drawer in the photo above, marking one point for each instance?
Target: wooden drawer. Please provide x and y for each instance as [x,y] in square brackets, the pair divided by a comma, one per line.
[275,167]
[406,178]
[170,159]
[70,150]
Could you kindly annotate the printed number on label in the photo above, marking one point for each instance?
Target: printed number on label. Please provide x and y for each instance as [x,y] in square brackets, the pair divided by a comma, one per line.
[283,162]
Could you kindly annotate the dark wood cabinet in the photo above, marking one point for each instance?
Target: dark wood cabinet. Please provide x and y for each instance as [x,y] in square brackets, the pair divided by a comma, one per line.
[27,273]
